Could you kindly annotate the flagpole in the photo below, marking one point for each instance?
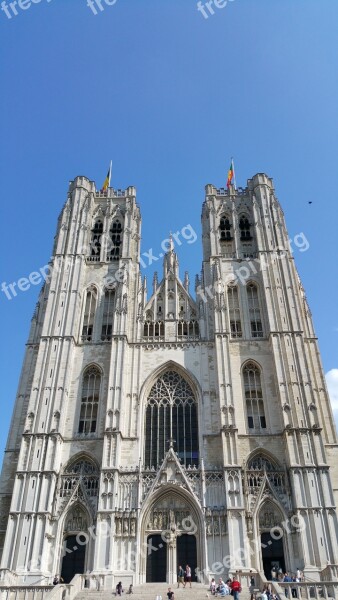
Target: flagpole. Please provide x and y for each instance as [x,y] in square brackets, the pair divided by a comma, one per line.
[111,163]
[233,167]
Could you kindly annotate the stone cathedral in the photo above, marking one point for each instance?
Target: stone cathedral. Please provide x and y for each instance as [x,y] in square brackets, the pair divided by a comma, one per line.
[153,430]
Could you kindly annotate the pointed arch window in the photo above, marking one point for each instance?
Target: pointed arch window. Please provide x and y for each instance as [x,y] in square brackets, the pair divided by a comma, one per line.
[188,329]
[259,466]
[153,330]
[95,243]
[90,395]
[234,312]
[225,229]
[244,228]
[89,315]
[260,462]
[108,315]
[171,414]
[254,398]
[115,241]
[254,311]
[84,471]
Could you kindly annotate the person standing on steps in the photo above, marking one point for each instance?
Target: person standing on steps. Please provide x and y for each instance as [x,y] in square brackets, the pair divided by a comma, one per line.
[187,575]
[251,585]
[235,588]
[180,576]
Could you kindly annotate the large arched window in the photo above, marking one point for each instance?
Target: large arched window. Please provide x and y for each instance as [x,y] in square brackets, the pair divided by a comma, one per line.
[90,400]
[115,241]
[95,242]
[108,315]
[171,418]
[254,311]
[234,312]
[254,398]
[89,315]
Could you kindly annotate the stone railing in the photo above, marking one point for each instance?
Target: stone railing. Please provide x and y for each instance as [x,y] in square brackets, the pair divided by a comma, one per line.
[7,577]
[330,573]
[110,193]
[25,592]
[306,589]
[63,591]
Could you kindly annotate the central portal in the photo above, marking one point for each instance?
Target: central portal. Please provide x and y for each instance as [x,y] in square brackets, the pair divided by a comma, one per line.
[171,534]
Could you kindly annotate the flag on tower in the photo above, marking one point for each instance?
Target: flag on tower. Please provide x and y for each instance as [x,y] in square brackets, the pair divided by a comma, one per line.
[106,182]
[231,174]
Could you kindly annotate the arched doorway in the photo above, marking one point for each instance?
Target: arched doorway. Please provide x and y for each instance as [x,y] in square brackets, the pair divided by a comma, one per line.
[272,538]
[173,533]
[75,543]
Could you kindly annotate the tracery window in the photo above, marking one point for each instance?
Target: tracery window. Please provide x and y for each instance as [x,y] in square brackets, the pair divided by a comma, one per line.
[253,398]
[108,315]
[171,415]
[259,466]
[95,243]
[89,315]
[115,241]
[89,400]
[188,329]
[225,229]
[254,311]
[244,228]
[261,463]
[82,470]
[153,329]
[234,312]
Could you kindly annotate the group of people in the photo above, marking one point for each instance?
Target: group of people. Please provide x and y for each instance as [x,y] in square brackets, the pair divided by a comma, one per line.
[279,575]
[183,576]
[229,587]
[120,590]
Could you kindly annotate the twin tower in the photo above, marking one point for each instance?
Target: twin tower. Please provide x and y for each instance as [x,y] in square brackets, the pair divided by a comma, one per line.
[171,428]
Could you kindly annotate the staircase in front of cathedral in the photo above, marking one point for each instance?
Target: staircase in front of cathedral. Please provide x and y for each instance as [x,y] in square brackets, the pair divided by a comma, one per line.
[152,591]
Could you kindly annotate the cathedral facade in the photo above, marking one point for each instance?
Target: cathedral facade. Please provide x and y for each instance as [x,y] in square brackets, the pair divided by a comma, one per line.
[153,430]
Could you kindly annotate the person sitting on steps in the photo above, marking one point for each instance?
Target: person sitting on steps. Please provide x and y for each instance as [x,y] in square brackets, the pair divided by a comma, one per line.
[119,589]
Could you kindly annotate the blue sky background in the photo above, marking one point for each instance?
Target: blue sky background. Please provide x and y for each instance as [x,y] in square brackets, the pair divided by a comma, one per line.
[169,96]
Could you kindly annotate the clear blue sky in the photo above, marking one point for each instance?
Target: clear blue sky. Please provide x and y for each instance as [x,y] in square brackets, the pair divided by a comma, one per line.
[169,96]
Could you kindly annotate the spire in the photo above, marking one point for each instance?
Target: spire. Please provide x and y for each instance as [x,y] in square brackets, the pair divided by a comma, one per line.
[171,243]
[186,281]
[155,282]
[145,293]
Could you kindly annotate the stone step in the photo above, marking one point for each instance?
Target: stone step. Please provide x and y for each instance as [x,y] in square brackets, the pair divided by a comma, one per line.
[149,591]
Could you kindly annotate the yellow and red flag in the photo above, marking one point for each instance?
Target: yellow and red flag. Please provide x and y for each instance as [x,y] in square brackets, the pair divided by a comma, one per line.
[106,182]
[230,174]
